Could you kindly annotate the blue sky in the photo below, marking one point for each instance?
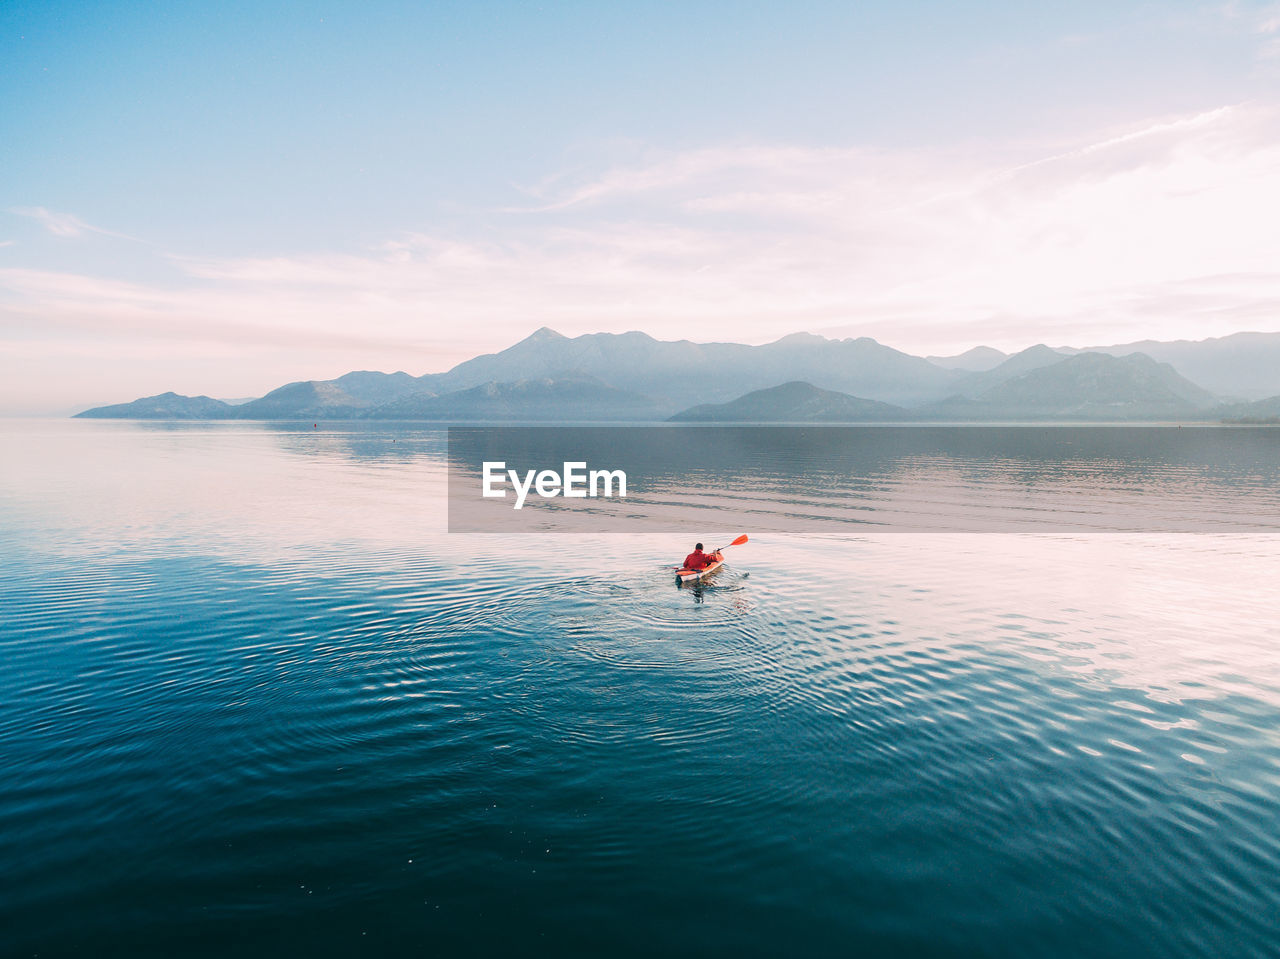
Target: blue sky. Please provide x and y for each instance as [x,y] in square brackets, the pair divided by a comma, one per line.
[219,198]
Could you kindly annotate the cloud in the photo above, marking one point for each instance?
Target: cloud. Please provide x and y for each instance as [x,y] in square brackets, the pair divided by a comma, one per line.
[908,241]
[1162,230]
[64,224]
[1261,21]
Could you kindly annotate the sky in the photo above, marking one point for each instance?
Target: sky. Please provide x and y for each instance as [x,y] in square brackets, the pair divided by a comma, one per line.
[221,198]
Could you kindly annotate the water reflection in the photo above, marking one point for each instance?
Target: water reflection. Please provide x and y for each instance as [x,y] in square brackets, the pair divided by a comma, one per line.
[247,674]
[972,479]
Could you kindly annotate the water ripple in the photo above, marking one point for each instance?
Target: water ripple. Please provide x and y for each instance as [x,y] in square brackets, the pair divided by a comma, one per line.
[934,745]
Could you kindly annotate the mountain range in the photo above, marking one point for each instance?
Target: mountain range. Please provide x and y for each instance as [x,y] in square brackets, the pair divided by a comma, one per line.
[796,402]
[609,377]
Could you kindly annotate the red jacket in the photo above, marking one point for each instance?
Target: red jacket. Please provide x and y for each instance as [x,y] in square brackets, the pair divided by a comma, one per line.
[699,560]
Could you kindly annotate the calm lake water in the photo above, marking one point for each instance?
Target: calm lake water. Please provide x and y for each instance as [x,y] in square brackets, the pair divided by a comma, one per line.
[253,697]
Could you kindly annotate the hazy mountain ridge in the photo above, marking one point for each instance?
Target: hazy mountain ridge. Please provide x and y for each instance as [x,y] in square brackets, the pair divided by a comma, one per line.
[979,359]
[1087,386]
[162,406]
[568,396]
[795,402]
[1259,411]
[1244,366]
[301,400]
[1032,358]
[375,388]
[674,373]
[349,396]
[632,376]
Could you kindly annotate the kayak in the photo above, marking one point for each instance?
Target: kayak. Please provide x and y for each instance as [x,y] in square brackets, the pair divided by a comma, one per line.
[686,575]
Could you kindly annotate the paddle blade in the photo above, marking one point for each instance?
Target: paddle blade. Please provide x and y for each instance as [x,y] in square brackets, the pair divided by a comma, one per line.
[740,540]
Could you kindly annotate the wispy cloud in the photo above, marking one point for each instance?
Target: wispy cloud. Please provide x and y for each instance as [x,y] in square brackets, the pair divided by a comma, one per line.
[64,224]
[1165,229]
[1261,20]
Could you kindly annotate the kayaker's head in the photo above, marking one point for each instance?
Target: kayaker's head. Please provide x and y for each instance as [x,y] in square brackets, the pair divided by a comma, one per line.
[698,547]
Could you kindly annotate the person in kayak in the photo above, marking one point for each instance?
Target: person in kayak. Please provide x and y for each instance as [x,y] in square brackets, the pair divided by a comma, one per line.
[698,559]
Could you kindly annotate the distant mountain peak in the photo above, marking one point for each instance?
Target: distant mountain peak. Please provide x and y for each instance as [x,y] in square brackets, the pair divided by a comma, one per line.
[636,335]
[544,334]
[977,359]
[1037,350]
[797,401]
[162,406]
[1086,386]
[800,339]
